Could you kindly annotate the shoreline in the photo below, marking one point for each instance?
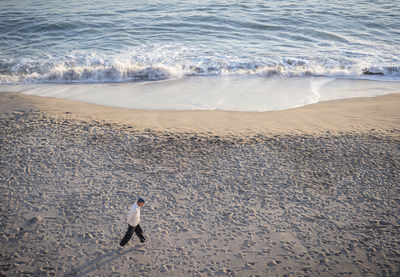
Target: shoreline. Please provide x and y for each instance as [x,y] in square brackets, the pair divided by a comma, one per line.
[224,196]
[360,115]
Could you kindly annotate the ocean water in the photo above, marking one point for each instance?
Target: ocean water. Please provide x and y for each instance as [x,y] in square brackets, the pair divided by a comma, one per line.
[228,55]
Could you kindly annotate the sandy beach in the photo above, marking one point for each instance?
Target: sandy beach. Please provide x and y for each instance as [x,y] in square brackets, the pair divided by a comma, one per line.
[312,191]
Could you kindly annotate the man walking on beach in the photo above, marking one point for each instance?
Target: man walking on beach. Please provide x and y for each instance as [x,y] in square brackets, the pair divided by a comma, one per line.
[133,223]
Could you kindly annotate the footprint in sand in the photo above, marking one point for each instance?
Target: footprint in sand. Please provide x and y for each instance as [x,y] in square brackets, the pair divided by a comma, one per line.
[273,263]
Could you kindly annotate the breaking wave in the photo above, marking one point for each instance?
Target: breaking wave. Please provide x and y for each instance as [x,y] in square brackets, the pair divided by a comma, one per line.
[170,64]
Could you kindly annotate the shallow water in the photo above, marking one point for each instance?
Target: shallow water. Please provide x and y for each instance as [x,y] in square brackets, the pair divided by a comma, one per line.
[229,93]
[124,41]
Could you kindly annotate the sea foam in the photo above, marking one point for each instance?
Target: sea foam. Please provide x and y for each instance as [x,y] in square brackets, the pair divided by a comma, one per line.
[161,63]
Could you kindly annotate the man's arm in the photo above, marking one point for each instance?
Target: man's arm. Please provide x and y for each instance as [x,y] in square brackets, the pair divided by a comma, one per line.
[131,215]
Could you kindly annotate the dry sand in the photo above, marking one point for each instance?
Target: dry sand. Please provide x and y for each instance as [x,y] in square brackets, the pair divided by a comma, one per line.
[312,191]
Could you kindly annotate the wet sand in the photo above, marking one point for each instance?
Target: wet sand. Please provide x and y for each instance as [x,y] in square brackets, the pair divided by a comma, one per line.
[312,191]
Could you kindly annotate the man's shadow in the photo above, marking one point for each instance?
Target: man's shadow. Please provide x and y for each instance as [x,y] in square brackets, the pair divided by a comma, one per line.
[102,260]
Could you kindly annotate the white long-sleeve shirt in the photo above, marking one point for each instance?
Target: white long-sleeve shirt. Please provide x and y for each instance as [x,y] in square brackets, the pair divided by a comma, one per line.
[134,215]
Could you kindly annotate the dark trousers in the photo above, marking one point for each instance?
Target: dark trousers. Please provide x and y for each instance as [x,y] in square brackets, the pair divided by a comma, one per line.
[139,232]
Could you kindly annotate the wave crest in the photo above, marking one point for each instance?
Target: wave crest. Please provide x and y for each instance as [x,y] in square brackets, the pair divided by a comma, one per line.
[161,65]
